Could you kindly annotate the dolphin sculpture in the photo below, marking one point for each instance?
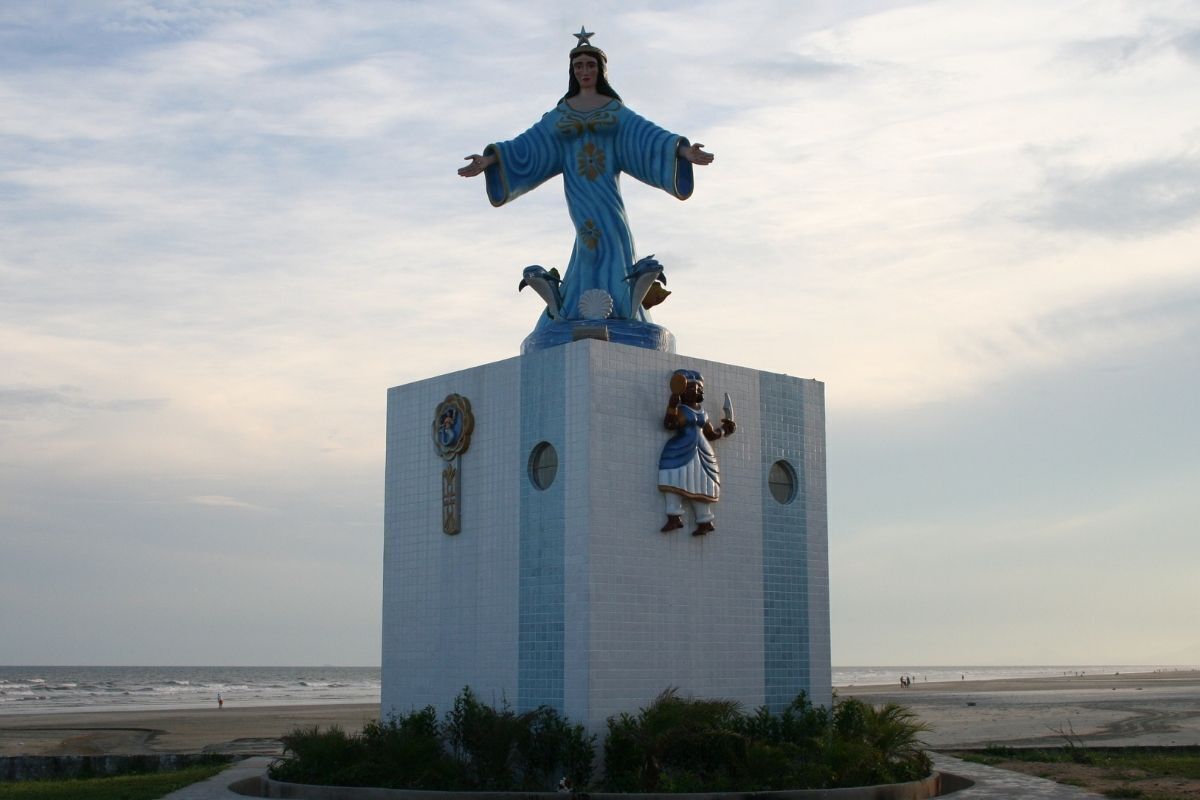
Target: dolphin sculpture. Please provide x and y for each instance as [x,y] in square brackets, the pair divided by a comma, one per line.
[546,283]
[646,277]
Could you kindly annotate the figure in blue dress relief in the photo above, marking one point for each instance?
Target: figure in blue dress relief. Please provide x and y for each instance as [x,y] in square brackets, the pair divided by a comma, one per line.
[687,468]
[590,138]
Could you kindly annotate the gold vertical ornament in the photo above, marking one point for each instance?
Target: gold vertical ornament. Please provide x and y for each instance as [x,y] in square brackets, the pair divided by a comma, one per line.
[453,424]
[451,520]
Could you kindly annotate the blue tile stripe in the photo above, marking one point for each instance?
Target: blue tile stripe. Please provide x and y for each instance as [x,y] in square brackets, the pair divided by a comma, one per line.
[786,653]
[543,527]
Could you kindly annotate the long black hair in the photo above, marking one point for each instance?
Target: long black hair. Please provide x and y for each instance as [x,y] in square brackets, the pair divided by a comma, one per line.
[602,85]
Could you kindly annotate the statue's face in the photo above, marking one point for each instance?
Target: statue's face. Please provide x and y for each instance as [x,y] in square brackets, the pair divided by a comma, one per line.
[586,70]
[694,393]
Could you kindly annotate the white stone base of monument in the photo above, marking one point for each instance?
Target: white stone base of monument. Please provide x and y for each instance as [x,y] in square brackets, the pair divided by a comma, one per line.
[569,596]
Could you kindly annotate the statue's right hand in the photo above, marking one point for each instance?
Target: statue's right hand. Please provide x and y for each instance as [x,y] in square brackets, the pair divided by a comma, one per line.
[478,164]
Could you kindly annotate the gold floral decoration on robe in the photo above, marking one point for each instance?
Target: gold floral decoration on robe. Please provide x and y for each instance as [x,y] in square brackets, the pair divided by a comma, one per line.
[591,161]
[589,234]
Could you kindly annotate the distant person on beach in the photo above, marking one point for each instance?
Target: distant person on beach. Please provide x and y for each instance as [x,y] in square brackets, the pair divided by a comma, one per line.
[220,701]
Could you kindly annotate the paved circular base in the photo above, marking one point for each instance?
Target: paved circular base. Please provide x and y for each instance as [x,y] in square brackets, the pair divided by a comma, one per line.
[916,790]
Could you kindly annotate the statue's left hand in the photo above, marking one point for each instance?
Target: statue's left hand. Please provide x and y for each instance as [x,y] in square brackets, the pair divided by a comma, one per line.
[728,427]
[478,164]
[695,155]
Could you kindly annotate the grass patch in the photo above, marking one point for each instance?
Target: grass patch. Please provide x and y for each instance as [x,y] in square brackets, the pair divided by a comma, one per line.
[1041,755]
[1149,773]
[1131,763]
[144,786]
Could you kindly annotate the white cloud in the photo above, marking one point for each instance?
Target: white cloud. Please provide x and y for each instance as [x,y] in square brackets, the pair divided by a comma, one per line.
[221,501]
[221,244]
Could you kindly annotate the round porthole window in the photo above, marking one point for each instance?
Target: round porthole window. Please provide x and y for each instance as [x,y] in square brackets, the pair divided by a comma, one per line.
[543,465]
[781,480]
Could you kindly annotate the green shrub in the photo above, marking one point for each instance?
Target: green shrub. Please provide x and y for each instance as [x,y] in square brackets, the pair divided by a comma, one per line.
[680,744]
[876,745]
[476,747]
[406,753]
[548,746]
[500,749]
[674,744]
[483,740]
[316,755]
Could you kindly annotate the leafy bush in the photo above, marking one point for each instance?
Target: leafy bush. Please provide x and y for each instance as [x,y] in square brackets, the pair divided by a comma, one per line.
[317,755]
[476,747]
[876,745]
[681,744]
[499,749]
[407,753]
[675,744]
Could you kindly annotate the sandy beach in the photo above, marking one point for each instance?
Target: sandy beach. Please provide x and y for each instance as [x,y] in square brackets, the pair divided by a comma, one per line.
[248,730]
[1161,708]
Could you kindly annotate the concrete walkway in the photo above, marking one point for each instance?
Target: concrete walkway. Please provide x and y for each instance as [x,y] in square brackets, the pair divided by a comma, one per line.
[218,785]
[990,783]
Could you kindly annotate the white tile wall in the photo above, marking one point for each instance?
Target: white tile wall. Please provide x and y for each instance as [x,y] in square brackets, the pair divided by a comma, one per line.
[643,610]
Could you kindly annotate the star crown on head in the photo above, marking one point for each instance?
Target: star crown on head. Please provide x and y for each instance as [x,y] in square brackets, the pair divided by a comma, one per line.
[585,46]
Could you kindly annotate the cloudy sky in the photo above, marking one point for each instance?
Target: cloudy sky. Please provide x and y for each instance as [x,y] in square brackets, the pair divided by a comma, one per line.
[227,227]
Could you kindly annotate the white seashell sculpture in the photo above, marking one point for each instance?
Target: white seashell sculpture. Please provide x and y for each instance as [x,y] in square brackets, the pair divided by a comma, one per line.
[595,304]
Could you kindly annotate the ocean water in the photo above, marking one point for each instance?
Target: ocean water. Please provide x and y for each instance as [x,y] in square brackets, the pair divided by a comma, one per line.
[42,689]
[47,689]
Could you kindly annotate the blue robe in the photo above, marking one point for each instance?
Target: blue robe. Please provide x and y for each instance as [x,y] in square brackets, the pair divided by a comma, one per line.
[688,465]
[590,150]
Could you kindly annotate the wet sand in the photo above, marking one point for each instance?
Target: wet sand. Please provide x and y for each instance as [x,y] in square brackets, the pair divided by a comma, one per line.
[1161,708]
[1156,708]
[249,730]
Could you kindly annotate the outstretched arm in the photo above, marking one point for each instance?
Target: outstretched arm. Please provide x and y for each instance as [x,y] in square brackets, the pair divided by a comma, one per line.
[480,163]
[694,154]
